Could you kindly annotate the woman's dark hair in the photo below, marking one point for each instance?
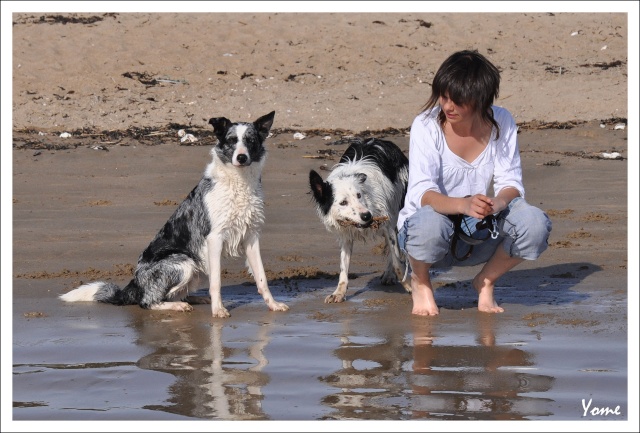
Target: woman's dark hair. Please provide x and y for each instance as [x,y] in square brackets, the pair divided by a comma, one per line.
[467,78]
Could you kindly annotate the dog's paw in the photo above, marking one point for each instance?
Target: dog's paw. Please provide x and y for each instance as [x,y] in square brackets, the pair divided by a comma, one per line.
[334,298]
[278,306]
[173,306]
[407,286]
[221,313]
[388,279]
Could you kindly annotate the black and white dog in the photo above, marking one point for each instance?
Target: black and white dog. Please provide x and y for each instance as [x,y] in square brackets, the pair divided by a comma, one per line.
[360,200]
[223,214]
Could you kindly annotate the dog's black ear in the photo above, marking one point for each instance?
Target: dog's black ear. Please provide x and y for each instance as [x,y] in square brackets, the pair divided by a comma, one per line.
[361,177]
[322,192]
[220,126]
[316,183]
[263,125]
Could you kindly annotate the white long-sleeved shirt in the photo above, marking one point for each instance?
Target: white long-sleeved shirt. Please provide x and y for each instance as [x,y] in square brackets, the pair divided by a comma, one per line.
[434,167]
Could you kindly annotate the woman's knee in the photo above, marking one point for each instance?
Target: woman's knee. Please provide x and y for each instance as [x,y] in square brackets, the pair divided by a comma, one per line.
[530,228]
[430,225]
[428,234]
[541,226]
[532,221]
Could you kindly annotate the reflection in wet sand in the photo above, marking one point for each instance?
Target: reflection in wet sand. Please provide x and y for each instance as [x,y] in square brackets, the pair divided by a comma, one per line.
[392,379]
[213,380]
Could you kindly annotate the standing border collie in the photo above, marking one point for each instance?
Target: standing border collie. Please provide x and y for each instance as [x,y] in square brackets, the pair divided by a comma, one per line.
[360,200]
[223,215]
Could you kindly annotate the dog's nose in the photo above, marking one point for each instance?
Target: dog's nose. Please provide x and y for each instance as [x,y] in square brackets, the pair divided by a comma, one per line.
[365,216]
[242,159]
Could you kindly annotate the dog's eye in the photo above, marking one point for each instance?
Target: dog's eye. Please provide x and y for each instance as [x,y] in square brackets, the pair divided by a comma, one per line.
[359,195]
[343,203]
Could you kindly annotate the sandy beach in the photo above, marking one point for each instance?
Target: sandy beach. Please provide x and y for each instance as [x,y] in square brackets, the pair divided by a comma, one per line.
[84,206]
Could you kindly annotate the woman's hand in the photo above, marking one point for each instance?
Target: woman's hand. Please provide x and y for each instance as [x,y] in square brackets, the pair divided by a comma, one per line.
[478,206]
[499,204]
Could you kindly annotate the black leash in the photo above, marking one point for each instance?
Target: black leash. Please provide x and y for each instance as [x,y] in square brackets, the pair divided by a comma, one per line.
[489,222]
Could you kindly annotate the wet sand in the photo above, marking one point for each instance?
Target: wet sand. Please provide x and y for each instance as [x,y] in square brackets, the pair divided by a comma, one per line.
[364,359]
[85,207]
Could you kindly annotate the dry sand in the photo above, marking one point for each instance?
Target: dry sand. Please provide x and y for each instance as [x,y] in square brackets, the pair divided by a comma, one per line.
[84,207]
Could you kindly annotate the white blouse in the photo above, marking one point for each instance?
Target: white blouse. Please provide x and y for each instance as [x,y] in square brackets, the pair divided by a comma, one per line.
[434,167]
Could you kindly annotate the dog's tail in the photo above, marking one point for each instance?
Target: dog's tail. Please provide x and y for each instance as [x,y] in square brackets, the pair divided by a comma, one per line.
[101,291]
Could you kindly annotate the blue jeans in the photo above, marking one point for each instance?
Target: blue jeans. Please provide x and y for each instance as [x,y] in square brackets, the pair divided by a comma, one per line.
[523,232]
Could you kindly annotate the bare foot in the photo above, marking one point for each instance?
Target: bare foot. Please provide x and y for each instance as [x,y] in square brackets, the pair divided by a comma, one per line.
[424,304]
[486,302]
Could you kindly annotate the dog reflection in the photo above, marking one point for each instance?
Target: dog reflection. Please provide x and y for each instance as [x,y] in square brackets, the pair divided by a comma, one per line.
[371,372]
[390,379]
[213,381]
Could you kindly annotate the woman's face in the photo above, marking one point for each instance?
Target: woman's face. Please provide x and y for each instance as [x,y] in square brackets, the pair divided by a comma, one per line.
[455,113]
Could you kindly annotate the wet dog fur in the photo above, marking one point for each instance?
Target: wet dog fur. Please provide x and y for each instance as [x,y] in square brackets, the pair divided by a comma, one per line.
[222,216]
[368,184]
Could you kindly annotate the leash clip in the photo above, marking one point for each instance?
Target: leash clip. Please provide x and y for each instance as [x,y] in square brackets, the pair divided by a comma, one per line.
[494,230]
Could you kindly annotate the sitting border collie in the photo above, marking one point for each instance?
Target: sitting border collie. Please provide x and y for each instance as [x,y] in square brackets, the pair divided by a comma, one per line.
[360,200]
[223,215]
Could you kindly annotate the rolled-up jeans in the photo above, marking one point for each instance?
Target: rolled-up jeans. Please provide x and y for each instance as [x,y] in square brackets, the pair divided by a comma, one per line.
[523,232]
